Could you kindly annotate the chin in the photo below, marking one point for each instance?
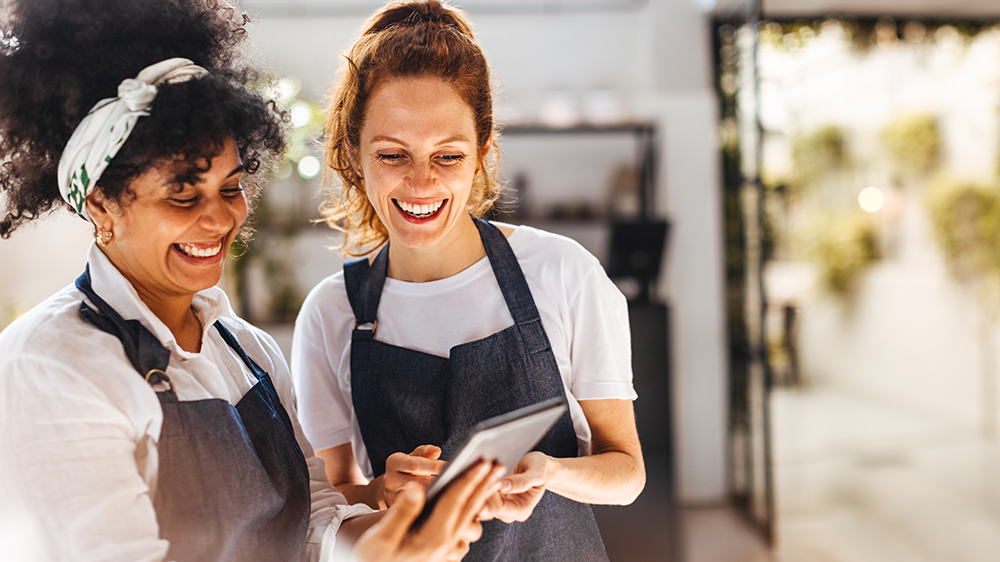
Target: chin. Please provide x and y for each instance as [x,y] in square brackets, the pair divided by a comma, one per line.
[420,241]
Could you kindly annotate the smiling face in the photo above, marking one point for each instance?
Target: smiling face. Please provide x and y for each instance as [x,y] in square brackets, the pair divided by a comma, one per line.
[418,157]
[171,238]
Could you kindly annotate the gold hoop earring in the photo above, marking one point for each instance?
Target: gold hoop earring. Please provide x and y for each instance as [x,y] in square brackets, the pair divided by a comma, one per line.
[104,237]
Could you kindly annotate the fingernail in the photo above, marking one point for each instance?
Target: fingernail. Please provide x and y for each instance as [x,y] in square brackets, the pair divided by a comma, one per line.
[506,485]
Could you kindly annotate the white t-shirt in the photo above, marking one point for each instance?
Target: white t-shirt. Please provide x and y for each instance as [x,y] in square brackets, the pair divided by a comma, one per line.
[79,426]
[584,315]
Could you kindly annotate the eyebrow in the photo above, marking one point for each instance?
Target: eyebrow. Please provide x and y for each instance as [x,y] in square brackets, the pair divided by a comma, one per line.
[460,138]
[178,187]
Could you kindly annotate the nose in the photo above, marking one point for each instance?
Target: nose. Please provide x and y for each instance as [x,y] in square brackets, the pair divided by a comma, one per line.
[421,177]
[219,215]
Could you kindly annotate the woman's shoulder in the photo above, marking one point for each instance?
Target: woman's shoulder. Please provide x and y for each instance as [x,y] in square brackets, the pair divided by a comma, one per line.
[533,241]
[326,304]
[550,252]
[45,326]
[53,345]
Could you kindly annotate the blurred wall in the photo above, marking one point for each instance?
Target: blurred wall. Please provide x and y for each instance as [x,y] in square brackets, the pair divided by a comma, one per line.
[38,260]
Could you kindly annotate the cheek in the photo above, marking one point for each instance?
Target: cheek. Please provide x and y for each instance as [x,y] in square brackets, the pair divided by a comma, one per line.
[240,210]
[380,185]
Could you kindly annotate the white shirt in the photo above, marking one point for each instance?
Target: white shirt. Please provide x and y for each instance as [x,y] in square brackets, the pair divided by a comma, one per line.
[79,426]
[584,315]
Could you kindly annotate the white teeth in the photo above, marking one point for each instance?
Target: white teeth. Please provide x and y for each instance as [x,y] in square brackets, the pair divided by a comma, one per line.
[196,252]
[420,210]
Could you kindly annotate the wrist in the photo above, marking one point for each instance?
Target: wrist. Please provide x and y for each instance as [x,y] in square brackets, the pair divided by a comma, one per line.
[379,492]
[552,470]
[552,467]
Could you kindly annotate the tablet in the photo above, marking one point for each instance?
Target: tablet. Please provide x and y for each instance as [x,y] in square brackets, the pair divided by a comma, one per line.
[505,439]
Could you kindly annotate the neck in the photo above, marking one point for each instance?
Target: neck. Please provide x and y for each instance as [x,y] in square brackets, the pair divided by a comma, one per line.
[444,259]
[172,308]
[176,313]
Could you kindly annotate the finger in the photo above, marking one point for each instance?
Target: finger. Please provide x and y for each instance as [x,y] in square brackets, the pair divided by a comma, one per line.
[394,481]
[451,510]
[472,532]
[492,506]
[427,451]
[487,488]
[398,519]
[419,466]
[459,552]
[519,483]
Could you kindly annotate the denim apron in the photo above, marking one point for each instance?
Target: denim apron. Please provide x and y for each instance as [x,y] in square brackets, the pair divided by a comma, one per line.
[232,482]
[405,398]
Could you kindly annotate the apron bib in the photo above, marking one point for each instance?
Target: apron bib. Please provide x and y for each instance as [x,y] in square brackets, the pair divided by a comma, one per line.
[405,398]
[233,484]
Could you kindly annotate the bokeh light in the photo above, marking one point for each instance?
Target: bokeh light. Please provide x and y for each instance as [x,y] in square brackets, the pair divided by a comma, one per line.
[309,167]
[871,199]
[301,114]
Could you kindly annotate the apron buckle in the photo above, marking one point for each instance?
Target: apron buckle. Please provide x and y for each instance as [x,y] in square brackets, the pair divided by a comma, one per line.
[157,376]
[374,324]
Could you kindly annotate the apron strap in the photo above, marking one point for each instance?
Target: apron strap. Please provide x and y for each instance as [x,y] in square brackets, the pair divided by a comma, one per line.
[233,343]
[142,348]
[508,272]
[274,404]
[149,357]
[364,285]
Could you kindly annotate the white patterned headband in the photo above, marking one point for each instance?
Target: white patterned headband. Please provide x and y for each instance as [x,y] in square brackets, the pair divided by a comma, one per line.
[105,128]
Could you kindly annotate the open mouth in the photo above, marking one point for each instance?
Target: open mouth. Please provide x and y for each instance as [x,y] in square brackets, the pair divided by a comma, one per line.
[200,250]
[419,211]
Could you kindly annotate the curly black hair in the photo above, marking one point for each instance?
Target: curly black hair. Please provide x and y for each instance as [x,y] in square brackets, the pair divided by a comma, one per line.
[60,57]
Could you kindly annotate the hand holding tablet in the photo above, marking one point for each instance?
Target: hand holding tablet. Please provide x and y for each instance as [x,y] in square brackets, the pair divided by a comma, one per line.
[504,439]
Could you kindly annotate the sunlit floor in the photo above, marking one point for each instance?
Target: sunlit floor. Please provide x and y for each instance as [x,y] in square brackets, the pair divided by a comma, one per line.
[859,480]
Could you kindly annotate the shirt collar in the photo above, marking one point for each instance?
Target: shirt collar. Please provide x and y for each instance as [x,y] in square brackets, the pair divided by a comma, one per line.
[209,305]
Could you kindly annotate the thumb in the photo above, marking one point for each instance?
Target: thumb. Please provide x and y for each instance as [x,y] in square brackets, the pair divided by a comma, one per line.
[518,483]
[398,518]
[432,452]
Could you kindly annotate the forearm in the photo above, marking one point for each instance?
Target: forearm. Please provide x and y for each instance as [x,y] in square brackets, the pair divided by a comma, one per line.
[369,494]
[353,528]
[610,478]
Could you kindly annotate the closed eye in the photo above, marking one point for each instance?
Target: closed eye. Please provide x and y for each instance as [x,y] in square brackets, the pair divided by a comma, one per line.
[232,191]
[448,159]
[390,158]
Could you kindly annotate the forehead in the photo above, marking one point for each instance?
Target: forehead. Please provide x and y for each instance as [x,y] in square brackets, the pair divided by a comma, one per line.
[424,105]
[173,173]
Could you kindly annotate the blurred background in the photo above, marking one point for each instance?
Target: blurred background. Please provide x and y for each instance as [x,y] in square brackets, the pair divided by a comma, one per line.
[799,198]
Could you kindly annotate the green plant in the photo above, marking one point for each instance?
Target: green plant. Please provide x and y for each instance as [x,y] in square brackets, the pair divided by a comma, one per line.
[866,33]
[843,246]
[913,143]
[966,224]
[817,154]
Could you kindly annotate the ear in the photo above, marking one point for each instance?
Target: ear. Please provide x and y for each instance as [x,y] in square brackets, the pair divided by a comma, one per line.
[101,209]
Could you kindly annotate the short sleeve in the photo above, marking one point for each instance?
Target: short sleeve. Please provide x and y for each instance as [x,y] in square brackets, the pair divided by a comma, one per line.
[600,349]
[318,346]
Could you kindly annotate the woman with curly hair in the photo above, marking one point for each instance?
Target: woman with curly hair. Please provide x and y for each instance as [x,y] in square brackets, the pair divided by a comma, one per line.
[141,418]
[454,319]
